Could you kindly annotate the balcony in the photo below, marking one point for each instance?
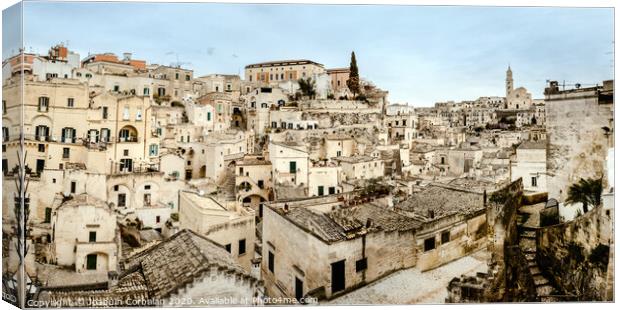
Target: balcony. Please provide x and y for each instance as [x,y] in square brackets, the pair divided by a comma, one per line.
[129,168]
[128,139]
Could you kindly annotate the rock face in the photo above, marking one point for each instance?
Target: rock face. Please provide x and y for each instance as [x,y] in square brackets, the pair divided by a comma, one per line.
[575,255]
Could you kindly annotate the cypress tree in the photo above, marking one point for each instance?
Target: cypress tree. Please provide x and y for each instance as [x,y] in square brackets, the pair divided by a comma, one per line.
[353,83]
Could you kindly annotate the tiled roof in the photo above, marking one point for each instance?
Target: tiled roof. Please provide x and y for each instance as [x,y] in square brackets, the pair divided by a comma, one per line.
[441,201]
[156,272]
[349,222]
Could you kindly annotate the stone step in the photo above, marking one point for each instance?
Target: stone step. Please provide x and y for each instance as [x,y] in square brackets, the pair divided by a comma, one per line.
[540,280]
[528,234]
[534,270]
[549,299]
[544,290]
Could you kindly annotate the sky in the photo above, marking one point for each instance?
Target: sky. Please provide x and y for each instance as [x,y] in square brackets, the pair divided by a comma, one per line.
[420,54]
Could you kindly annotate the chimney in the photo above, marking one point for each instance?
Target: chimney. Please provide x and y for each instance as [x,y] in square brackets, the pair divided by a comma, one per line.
[126,56]
[112,279]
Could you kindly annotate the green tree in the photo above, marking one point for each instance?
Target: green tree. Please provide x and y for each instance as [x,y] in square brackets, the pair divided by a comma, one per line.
[353,83]
[587,192]
[307,87]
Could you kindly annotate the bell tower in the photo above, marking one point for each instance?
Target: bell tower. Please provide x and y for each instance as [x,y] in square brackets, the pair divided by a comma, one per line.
[509,83]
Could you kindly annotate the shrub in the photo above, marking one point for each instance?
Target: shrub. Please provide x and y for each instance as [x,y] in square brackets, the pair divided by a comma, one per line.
[599,256]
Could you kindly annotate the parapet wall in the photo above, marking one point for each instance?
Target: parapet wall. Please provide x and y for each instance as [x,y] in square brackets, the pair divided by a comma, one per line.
[576,254]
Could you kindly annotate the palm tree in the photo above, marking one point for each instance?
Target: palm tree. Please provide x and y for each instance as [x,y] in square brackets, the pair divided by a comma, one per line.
[586,192]
[307,87]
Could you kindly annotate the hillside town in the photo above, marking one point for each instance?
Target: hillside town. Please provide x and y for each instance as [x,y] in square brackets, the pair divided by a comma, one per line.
[146,185]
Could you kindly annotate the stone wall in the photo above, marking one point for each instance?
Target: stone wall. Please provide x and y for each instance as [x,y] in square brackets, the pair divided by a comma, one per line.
[502,222]
[575,254]
[577,142]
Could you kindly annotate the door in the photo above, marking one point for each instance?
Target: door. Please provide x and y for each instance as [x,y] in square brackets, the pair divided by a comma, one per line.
[299,289]
[321,191]
[40,165]
[91,262]
[338,278]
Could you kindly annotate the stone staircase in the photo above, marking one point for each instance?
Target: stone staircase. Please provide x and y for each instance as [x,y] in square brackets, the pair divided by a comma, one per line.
[228,186]
[527,244]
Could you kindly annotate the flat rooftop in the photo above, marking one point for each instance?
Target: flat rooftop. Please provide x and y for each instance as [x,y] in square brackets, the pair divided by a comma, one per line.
[279,63]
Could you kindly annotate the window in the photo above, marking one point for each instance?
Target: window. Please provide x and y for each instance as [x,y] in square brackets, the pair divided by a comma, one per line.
[321,190]
[126,113]
[104,112]
[292,167]
[228,248]
[445,237]
[44,103]
[91,262]
[338,153]
[68,135]
[105,135]
[332,190]
[534,182]
[429,244]
[139,115]
[70,102]
[92,236]
[261,184]
[147,200]
[153,150]
[241,246]
[73,187]
[187,77]
[48,215]
[176,76]
[41,147]
[125,152]
[271,262]
[66,152]
[121,200]
[117,88]
[116,188]
[208,116]
[5,134]
[157,219]
[361,265]
[146,91]
[3,106]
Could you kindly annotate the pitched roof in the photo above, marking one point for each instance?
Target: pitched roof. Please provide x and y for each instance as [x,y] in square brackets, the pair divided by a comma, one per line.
[349,222]
[157,272]
[442,201]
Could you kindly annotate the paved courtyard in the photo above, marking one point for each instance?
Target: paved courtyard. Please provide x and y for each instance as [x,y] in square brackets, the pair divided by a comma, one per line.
[414,287]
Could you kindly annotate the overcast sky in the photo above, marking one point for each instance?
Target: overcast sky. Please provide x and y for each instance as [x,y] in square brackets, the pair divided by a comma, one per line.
[420,54]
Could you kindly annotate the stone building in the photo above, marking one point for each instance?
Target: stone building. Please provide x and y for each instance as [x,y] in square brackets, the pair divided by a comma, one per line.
[184,270]
[85,235]
[230,226]
[579,125]
[339,77]
[453,223]
[530,164]
[516,99]
[266,73]
[349,246]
